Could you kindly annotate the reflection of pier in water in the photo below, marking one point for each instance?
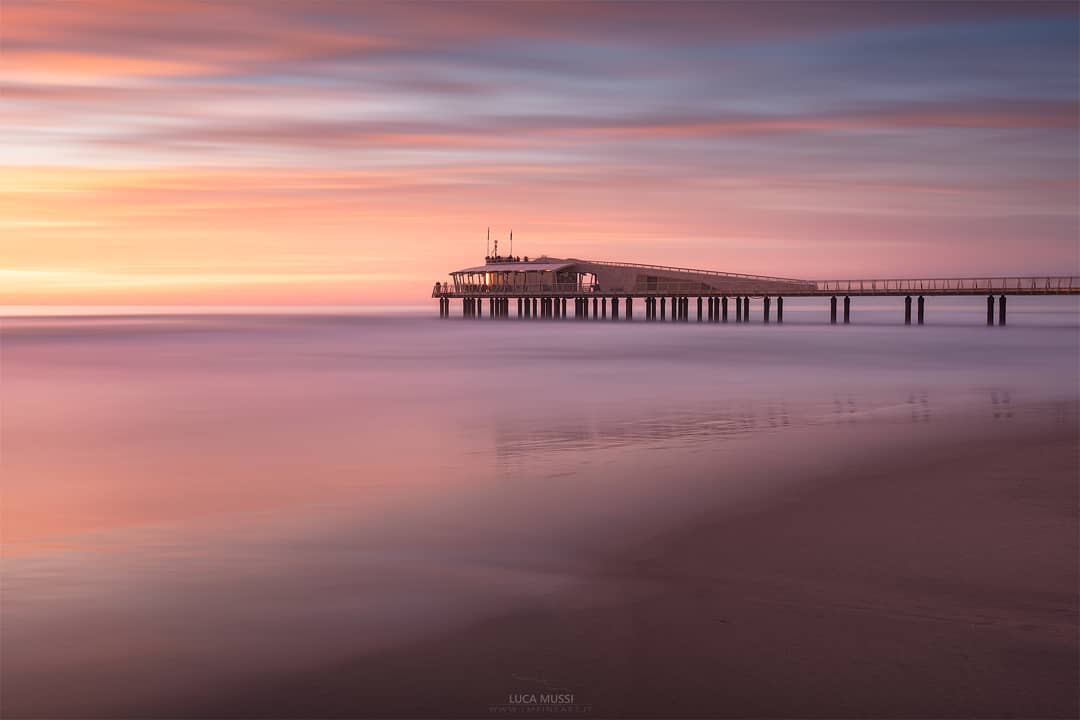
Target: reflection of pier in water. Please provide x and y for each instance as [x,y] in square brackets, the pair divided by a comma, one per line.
[550,288]
[688,427]
[581,433]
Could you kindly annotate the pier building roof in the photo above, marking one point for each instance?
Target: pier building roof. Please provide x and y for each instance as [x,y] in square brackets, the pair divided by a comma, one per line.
[549,265]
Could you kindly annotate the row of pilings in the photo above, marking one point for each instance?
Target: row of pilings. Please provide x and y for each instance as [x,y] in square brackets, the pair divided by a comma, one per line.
[662,308]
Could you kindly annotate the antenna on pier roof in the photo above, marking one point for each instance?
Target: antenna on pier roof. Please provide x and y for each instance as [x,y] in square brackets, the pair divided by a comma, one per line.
[487,253]
[511,243]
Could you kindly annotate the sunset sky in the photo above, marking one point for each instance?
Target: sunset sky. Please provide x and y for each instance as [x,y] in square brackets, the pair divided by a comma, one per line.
[182,152]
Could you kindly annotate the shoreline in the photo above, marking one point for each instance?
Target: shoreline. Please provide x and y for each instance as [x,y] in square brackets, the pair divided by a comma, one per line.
[855,594]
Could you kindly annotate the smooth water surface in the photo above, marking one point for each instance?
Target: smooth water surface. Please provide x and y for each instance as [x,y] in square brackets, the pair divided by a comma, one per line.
[193,500]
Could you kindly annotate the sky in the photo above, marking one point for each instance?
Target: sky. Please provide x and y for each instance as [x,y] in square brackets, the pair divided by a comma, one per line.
[189,152]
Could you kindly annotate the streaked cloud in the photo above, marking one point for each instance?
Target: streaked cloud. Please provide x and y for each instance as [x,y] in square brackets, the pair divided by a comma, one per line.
[337,143]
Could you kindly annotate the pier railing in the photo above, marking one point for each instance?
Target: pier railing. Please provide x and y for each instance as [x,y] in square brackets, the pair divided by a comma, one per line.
[746,285]
[672,287]
[659,287]
[1054,285]
[524,289]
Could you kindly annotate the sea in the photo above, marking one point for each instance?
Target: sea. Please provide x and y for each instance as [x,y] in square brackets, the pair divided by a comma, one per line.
[194,498]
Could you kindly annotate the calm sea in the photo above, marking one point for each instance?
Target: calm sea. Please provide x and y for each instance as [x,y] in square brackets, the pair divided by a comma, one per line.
[191,500]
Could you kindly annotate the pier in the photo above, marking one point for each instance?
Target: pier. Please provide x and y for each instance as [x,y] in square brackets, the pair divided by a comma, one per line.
[543,287]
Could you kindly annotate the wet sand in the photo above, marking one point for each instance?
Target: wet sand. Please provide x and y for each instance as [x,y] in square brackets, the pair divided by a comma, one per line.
[938,581]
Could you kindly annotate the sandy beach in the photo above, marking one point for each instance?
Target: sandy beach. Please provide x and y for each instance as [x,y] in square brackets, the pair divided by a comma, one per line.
[936,581]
